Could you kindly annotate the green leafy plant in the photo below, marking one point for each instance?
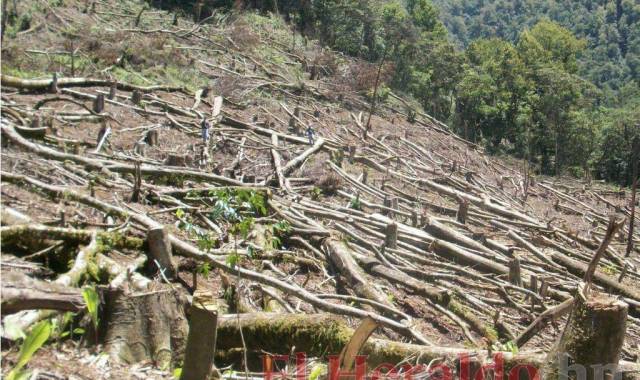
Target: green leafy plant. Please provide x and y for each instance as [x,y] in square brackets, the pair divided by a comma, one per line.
[317,371]
[252,200]
[38,336]
[509,346]
[355,203]
[64,326]
[204,269]
[92,300]
[243,227]
[316,193]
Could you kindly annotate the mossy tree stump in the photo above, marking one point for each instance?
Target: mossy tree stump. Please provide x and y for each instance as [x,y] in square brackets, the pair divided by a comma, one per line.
[592,339]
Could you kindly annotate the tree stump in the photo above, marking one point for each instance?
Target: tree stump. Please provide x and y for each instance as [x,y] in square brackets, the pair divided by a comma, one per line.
[54,84]
[145,326]
[136,97]
[352,153]
[176,160]
[112,91]
[151,138]
[391,236]
[98,103]
[592,339]
[514,271]
[160,250]
[463,208]
[197,11]
[201,343]
[140,148]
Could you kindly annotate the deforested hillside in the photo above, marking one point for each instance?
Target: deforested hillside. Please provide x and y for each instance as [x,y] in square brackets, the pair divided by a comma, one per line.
[190,199]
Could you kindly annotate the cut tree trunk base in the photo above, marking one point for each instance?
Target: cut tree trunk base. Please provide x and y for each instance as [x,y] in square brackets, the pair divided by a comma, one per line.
[593,337]
[145,326]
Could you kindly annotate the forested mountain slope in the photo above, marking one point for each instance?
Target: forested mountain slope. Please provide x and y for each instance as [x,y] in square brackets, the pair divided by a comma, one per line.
[610,27]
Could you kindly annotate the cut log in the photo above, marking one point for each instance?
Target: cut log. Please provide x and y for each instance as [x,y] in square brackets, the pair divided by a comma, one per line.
[592,340]
[160,250]
[20,292]
[339,255]
[322,334]
[144,326]
[611,283]
[294,163]
[43,84]
[201,342]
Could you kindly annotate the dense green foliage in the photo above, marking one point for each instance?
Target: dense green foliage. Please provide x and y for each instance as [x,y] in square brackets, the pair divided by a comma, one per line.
[611,29]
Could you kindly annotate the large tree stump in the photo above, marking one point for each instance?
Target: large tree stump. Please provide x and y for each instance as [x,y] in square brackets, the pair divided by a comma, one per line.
[592,339]
[201,343]
[144,326]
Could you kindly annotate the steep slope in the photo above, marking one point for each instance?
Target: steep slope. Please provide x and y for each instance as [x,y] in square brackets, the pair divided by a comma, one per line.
[276,213]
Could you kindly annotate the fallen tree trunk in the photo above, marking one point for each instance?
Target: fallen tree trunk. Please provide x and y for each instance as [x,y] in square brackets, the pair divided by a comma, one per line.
[580,269]
[109,166]
[189,250]
[23,320]
[294,163]
[437,296]
[340,257]
[21,292]
[321,334]
[41,234]
[45,84]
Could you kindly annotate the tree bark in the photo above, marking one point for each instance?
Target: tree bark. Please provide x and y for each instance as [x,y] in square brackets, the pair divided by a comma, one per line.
[322,334]
[592,338]
[160,250]
[144,326]
[20,292]
[201,342]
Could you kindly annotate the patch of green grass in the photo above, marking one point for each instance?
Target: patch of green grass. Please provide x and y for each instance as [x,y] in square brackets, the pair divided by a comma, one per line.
[20,73]
[190,78]
[122,75]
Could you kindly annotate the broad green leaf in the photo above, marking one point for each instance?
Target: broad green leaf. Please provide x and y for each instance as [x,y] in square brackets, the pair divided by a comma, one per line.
[92,300]
[38,335]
